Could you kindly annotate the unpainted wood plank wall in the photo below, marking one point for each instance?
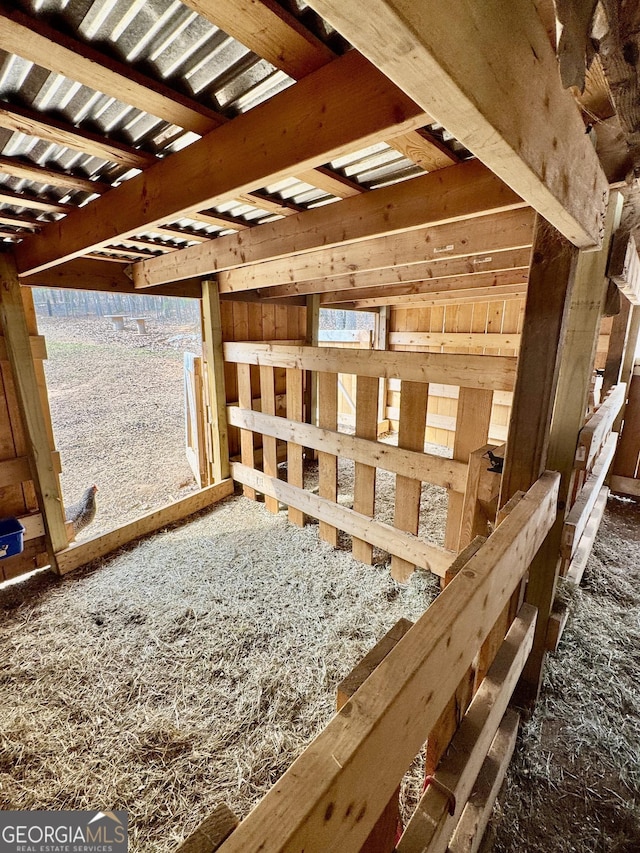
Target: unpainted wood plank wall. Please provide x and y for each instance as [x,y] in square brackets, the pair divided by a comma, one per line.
[253,321]
[501,316]
[18,498]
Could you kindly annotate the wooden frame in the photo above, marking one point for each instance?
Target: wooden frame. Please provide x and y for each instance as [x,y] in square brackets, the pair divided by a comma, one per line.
[332,798]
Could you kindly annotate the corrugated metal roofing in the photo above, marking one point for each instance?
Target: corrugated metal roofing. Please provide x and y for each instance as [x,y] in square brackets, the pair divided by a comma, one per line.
[170,42]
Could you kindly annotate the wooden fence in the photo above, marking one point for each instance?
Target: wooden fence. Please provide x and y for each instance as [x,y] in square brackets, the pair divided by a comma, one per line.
[597,443]
[477,375]
[341,793]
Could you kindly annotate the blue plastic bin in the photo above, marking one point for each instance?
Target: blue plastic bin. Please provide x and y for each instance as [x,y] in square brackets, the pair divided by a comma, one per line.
[11,537]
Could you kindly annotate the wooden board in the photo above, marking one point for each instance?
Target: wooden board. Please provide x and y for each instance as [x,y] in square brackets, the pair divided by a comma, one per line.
[376,533]
[246,436]
[431,824]
[364,490]
[295,406]
[269,445]
[429,468]
[493,373]
[328,462]
[100,546]
[413,417]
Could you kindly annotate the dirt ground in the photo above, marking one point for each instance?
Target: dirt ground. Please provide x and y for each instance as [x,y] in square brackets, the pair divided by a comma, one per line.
[117,407]
[195,666]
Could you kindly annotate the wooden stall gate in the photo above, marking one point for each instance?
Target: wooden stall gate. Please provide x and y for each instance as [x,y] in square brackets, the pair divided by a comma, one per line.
[478,376]
[588,497]
[341,793]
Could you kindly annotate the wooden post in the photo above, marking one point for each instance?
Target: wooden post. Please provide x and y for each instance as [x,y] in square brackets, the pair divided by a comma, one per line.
[472,432]
[617,344]
[552,273]
[364,490]
[327,462]
[295,470]
[16,334]
[577,355]
[628,359]
[311,340]
[413,418]
[212,344]
[381,342]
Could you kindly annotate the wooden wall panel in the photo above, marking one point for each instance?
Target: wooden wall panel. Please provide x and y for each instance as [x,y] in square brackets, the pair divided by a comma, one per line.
[255,321]
[501,317]
[19,498]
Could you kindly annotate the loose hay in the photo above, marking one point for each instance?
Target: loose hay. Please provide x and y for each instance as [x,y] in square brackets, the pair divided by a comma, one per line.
[191,669]
[574,783]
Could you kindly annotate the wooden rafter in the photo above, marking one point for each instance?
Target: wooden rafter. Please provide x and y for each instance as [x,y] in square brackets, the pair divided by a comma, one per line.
[485,234]
[20,221]
[101,274]
[258,147]
[42,175]
[268,30]
[31,123]
[33,202]
[489,74]
[273,33]
[462,192]
[33,39]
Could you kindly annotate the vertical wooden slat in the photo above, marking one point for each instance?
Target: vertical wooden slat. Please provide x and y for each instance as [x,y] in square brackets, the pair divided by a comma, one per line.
[327,462]
[617,342]
[472,432]
[413,417]
[246,436]
[13,323]
[269,444]
[295,412]
[364,490]
[212,345]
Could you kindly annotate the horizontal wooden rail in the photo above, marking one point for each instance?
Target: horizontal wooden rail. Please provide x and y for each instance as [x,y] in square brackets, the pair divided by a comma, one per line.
[426,467]
[489,372]
[332,796]
[594,432]
[38,347]
[452,392]
[431,825]
[625,486]
[33,526]
[377,533]
[454,339]
[579,514]
[79,555]
[497,432]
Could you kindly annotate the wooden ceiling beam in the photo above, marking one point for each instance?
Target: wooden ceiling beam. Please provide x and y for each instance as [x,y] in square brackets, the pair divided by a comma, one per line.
[31,123]
[429,300]
[483,281]
[344,105]
[488,73]
[465,191]
[268,30]
[20,221]
[33,202]
[210,217]
[103,275]
[423,148]
[503,260]
[32,39]
[272,32]
[42,175]
[180,233]
[484,234]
